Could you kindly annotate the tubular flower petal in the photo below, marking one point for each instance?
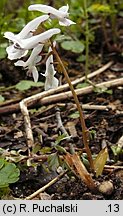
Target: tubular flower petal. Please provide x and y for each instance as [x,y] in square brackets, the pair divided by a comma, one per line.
[28,30]
[51,81]
[35,74]
[31,62]
[61,14]
[30,43]
[14,53]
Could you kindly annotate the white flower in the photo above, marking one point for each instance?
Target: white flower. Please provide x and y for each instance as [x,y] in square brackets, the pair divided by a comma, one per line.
[20,46]
[31,62]
[14,53]
[51,81]
[61,14]
[29,29]
[30,43]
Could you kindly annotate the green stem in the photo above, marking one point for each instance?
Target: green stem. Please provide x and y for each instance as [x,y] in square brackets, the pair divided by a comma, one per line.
[113,20]
[86,40]
[3,88]
[103,21]
[85,134]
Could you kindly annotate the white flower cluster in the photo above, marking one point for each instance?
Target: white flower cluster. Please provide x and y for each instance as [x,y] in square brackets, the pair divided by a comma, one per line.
[26,40]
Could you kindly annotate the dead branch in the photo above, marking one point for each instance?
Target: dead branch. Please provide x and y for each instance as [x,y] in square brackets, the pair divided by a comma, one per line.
[27,122]
[30,197]
[93,74]
[9,109]
[89,106]
[15,107]
[60,125]
[32,99]
[81,91]
[44,98]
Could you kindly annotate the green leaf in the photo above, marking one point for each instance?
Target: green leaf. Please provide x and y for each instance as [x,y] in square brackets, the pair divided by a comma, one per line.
[9,173]
[74,46]
[82,85]
[74,115]
[36,148]
[53,161]
[99,8]
[27,84]
[46,150]
[16,159]
[60,138]
[92,134]
[117,150]
[60,149]
[103,90]
[3,50]
[120,13]
[100,161]
[5,193]
[60,38]
[86,162]
[81,58]
[32,111]
[109,91]
[1,163]
[24,85]
[2,98]
[37,84]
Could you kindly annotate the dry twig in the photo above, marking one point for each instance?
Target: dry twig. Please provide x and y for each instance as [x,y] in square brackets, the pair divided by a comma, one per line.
[33,99]
[60,125]
[54,98]
[81,91]
[46,186]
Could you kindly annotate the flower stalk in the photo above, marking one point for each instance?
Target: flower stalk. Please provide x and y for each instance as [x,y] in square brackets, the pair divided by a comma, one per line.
[85,133]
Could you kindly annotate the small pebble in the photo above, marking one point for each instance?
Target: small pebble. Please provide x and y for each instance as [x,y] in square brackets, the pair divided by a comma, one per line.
[106,187]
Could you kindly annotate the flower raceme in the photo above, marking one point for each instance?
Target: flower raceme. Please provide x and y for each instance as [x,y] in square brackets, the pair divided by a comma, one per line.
[61,14]
[27,40]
